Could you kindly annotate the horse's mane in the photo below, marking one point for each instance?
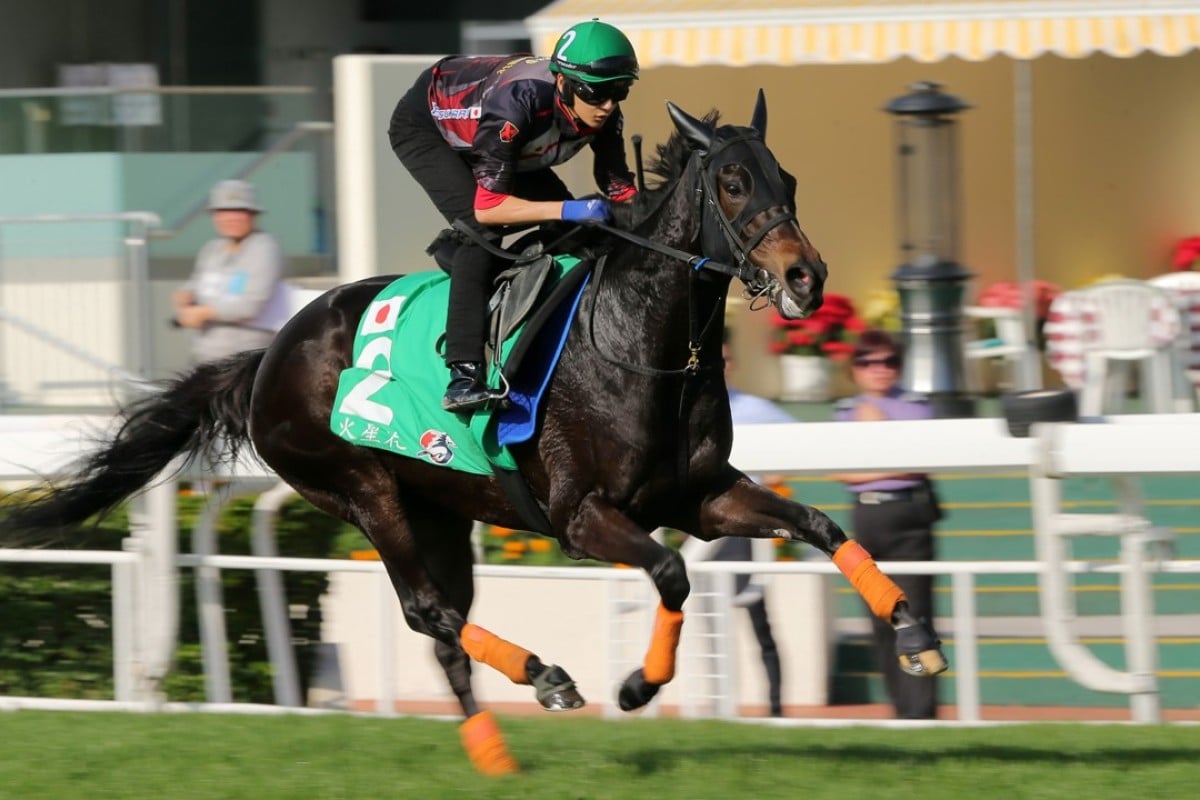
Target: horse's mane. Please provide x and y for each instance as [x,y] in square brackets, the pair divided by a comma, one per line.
[670,159]
[667,166]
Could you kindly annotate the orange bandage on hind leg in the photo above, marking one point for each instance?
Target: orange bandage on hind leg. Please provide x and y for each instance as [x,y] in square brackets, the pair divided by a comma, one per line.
[659,667]
[488,648]
[880,592]
[484,743]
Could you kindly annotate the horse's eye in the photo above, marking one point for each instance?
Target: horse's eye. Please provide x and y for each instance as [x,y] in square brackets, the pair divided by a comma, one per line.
[734,188]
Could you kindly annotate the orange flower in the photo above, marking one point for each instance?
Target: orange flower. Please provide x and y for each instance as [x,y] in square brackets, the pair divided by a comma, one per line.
[780,488]
[541,545]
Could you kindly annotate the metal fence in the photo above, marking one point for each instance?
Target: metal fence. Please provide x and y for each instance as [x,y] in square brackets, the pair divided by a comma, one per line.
[75,308]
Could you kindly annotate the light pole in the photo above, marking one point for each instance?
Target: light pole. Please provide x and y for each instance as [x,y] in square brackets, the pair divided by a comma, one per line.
[930,281]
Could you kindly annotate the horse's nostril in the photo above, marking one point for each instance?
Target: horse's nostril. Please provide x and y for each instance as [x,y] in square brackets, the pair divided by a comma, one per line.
[800,279]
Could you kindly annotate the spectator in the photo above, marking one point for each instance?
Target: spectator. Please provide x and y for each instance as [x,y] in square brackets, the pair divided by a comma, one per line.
[235,299]
[480,135]
[748,409]
[894,512]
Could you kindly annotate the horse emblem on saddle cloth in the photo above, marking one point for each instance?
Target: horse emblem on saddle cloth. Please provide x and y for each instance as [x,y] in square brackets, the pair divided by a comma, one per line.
[390,398]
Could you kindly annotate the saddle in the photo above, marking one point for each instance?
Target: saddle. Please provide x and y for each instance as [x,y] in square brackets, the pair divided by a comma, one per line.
[520,292]
[534,299]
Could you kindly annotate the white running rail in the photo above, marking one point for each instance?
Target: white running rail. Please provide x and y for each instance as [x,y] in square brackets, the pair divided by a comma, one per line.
[1124,447]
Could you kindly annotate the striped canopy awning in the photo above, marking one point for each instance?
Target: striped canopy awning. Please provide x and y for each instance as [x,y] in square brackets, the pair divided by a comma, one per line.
[787,32]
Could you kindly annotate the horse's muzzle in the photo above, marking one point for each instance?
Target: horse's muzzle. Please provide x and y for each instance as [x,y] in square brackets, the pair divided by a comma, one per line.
[803,289]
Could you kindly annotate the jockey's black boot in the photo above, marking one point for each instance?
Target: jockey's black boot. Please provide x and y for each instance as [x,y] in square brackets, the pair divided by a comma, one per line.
[467,390]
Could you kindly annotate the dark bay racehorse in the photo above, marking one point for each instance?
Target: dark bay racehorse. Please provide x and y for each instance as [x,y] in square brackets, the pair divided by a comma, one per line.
[635,430]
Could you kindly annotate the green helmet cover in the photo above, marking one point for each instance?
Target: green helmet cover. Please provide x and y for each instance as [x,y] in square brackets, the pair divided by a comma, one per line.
[594,52]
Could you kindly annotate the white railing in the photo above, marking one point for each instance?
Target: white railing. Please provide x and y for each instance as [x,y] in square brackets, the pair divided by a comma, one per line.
[1135,445]
[963,575]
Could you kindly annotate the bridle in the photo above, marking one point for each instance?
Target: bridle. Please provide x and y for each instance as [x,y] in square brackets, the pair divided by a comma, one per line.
[719,232]
[760,284]
[716,232]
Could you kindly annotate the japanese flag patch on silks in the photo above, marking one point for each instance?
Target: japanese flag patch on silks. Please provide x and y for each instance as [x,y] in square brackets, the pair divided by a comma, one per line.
[391,398]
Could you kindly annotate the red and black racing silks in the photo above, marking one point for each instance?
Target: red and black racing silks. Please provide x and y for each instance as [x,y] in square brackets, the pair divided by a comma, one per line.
[504,110]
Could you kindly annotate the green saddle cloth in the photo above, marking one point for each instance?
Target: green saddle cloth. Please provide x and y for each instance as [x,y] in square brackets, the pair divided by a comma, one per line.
[391,398]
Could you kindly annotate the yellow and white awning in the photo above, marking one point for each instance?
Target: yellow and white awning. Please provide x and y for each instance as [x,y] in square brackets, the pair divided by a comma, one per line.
[788,32]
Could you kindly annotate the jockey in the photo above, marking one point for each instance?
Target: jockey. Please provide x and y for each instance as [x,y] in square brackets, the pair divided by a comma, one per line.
[480,134]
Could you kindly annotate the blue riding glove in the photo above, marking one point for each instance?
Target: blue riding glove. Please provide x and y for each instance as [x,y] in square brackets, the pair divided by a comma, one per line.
[594,210]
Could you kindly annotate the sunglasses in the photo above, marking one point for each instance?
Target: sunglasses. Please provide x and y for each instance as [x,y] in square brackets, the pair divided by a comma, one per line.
[597,94]
[891,362]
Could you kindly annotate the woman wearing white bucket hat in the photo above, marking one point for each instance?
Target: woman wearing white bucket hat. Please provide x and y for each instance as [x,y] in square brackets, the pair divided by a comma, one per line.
[232,299]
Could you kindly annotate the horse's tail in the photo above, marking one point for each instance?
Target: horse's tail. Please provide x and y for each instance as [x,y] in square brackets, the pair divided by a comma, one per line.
[203,412]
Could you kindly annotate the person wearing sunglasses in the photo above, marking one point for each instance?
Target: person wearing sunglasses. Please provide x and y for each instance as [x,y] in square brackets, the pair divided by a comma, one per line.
[481,134]
[894,512]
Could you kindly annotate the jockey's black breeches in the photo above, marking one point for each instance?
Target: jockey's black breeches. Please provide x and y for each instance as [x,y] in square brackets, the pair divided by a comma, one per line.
[445,175]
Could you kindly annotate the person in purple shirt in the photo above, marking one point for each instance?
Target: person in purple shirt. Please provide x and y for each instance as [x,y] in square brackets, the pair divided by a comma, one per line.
[894,512]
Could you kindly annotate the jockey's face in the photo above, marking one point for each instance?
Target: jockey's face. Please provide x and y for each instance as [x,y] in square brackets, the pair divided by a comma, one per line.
[593,116]
[233,223]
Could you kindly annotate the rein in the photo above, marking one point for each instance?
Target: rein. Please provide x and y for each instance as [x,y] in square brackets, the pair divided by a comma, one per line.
[757,280]
[760,284]
[696,334]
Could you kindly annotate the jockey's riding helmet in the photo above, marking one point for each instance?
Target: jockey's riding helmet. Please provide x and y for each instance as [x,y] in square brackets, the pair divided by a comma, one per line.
[594,52]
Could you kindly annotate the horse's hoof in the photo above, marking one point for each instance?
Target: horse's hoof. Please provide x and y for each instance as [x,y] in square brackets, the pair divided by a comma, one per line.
[636,691]
[556,691]
[919,650]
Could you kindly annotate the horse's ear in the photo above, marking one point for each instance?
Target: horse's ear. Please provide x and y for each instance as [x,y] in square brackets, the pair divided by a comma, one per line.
[759,120]
[699,134]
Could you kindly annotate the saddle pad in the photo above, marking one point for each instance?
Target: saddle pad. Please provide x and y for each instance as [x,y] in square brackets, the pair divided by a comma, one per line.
[390,399]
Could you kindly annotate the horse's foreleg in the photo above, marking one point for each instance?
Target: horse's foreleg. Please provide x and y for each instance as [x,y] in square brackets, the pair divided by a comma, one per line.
[604,533]
[747,509]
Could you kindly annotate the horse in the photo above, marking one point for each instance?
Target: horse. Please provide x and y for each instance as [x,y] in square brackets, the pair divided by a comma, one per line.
[635,430]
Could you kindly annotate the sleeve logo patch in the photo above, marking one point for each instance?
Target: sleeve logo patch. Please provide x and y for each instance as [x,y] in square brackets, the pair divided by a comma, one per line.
[508,132]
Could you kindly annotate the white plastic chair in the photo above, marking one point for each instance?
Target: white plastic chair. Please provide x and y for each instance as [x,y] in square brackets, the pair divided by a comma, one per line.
[1184,288]
[1126,323]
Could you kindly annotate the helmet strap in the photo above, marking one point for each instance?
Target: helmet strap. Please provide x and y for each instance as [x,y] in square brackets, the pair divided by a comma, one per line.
[566,91]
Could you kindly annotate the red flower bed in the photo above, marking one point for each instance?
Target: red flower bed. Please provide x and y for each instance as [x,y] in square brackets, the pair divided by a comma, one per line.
[828,332]
[1006,294]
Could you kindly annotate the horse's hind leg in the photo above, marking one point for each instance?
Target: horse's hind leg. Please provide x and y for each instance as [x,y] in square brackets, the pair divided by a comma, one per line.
[449,560]
[432,579]
[419,569]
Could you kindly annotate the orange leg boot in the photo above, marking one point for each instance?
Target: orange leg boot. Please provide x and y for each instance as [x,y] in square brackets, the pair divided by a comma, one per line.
[485,745]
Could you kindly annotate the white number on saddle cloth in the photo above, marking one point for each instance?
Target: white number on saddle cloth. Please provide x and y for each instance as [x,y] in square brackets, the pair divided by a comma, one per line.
[376,355]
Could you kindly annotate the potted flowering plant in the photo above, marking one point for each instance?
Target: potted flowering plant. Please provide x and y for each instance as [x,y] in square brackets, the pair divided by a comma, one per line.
[806,347]
[1010,295]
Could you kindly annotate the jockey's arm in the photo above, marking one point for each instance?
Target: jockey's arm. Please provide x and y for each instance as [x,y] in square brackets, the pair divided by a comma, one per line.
[513,210]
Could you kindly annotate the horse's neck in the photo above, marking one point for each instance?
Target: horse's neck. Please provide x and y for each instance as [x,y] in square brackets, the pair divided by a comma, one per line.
[653,306]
